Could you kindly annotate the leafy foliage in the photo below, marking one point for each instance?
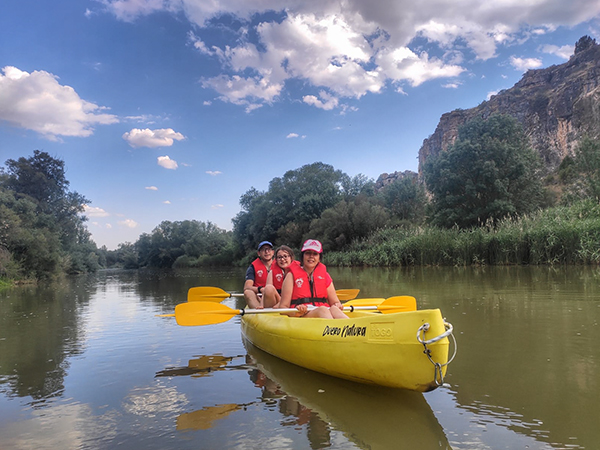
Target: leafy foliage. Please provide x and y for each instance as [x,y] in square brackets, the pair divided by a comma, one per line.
[347,221]
[298,197]
[188,243]
[405,200]
[489,173]
[587,161]
[40,223]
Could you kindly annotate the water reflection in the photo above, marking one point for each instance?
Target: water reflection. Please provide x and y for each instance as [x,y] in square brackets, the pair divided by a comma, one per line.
[204,418]
[368,416]
[201,366]
[41,328]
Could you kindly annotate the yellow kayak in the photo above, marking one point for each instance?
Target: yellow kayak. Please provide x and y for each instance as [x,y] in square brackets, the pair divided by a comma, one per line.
[406,350]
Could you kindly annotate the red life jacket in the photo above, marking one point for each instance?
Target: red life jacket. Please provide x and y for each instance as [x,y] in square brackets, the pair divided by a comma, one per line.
[278,276]
[260,273]
[313,292]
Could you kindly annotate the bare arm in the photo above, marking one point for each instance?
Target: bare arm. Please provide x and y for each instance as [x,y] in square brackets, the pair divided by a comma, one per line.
[286,291]
[251,295]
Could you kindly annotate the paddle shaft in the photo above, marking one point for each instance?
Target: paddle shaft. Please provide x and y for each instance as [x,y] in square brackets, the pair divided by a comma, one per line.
[241,312]
[215,294]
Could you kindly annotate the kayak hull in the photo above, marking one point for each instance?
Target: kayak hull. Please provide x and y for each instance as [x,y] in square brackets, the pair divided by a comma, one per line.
[368,347]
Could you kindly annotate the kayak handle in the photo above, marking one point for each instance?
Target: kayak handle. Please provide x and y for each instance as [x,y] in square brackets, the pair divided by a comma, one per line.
[425,327]
[438,376]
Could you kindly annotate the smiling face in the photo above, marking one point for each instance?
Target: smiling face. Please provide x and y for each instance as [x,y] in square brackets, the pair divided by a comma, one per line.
[284,259]
[265,253]
[310,259]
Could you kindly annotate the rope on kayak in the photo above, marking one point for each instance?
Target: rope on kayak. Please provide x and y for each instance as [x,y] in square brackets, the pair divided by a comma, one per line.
[438,376]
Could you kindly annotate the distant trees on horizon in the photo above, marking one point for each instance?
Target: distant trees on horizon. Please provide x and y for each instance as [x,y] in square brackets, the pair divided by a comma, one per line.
[487,175]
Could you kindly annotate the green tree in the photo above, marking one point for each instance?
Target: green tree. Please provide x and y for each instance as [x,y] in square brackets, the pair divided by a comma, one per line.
[297,198]
[587,162]
[405,199]
[348,221]
[192,239]
[490,172]
[47,233]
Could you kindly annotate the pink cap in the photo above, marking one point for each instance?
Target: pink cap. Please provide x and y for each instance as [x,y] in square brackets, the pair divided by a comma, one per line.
[312,244]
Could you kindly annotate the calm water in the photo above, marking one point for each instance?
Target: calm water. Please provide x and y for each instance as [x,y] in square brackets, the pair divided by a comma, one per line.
[87,364]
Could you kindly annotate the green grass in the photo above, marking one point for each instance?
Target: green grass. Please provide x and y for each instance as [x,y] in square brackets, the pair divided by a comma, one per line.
[561,235]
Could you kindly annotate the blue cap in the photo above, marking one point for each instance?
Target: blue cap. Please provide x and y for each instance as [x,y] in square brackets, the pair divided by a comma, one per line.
[265,243]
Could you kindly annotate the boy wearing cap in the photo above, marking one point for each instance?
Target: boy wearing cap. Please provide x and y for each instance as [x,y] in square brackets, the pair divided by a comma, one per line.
[256,275]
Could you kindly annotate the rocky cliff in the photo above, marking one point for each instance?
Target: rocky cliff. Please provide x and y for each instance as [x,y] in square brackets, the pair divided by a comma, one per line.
[557,106]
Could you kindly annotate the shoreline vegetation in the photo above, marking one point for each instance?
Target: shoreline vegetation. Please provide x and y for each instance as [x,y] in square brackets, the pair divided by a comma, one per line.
[560,235]
[484,201]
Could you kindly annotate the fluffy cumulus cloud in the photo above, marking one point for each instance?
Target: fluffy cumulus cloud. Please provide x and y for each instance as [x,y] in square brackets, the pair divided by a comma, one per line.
[37,101]
[525,64]
[344,49]
[92,211]
[163,137]
[167,163]
[564,51]
[129,223]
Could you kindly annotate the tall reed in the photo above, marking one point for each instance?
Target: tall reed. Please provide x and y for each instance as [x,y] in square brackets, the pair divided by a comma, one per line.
[561,235]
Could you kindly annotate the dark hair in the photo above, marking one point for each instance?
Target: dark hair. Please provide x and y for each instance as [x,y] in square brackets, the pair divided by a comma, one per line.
[286,249]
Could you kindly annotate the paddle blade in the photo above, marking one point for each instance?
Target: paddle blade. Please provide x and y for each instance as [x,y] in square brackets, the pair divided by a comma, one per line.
[207,294]
[203,313]
[347,294]
[365,302]
[207,298]
[399,303]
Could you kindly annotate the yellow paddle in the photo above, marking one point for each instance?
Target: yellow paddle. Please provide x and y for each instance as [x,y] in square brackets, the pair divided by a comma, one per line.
[215,294]
[408,302]
[209,313]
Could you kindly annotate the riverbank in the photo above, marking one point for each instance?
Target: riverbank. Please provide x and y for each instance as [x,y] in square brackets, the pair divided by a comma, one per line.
[561,235]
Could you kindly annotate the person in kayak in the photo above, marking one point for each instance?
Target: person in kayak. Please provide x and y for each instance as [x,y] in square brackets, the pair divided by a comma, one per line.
[310,284]
[284,257]
[256,275]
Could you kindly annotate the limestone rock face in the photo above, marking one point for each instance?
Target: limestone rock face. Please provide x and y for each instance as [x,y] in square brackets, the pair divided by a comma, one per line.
[556,106]
[385,179]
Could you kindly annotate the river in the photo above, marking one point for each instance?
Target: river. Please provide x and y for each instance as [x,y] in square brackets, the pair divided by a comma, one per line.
[87,364]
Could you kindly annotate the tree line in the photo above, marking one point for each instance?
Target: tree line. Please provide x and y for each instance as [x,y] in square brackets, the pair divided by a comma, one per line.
[489,176]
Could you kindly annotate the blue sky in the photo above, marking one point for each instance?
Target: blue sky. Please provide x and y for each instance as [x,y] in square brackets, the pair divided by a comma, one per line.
[172,109]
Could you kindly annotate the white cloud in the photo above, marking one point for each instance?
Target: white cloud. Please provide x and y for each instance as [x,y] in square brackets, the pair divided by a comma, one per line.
[162,137]
[239,90]
[217,206]
[36,101]
[129,223]
[292,135]
[151,188]
[167,163]
[402,64]
[451,85]
[491,94]
[214,173]
[352,48]
[563,52]
[326,101]
[525,64]
[167,202]
[92,211]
